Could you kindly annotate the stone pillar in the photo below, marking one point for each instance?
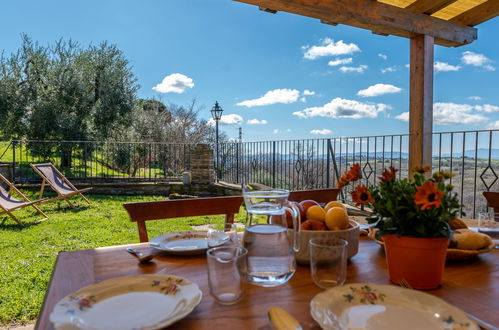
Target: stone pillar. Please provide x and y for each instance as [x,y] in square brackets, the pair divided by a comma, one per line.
[202,170]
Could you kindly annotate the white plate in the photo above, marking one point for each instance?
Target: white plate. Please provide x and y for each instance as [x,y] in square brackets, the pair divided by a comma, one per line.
[187,242]
[374,307]
[126,303]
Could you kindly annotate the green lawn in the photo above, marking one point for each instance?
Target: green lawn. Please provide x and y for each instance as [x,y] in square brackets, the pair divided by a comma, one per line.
[28,254]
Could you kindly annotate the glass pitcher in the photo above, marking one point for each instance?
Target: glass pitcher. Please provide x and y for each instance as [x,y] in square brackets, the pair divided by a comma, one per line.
[271,260]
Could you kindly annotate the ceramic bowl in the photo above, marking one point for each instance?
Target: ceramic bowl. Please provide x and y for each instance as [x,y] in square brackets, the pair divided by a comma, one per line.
[351,235]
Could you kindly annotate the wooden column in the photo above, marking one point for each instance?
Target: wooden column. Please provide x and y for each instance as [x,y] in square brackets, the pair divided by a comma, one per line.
[421,101]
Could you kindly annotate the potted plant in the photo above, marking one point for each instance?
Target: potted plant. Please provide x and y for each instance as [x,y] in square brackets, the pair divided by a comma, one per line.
[412,217]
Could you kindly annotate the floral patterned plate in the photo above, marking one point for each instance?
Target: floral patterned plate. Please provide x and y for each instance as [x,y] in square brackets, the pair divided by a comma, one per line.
[131,302]
[186,242]
[371,306]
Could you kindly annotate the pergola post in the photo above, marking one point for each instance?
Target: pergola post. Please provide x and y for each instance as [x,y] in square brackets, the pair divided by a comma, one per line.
[420,101]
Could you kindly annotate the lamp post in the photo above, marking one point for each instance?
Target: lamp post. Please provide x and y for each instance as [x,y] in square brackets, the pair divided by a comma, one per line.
[216,113]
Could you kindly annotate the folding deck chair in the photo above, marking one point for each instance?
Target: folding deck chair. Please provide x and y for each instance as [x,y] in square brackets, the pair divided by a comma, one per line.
[8,203]
[58,182]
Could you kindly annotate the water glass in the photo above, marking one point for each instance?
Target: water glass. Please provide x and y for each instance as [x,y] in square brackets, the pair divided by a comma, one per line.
[487,224]
[227,269]
[222,233]
[328,261]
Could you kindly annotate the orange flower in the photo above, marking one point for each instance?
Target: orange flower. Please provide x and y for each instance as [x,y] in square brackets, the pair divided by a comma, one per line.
[389,175]
[421,169]
[355,172]
[361,195]
[428,196]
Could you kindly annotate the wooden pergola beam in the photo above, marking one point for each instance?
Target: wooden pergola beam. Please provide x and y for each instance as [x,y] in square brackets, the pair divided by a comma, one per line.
[478,14]
[375,16]
[429,6]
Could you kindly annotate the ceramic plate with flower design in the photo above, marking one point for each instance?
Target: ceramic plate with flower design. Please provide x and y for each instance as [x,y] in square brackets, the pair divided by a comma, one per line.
[131,302]
[187,242]
[375,307]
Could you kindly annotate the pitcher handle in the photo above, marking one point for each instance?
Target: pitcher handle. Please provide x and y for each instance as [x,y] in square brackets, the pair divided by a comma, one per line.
[296,226]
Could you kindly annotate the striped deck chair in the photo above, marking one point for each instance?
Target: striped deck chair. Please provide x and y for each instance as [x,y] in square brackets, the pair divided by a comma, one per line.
[8,203]
[58,182]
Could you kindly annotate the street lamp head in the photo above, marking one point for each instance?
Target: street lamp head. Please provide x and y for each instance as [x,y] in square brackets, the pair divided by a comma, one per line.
[216,111]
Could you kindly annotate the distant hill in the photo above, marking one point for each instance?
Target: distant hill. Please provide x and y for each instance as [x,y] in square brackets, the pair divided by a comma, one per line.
[481,153]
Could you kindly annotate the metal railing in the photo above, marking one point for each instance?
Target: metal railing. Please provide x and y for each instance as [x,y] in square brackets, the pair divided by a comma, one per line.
[101,161]
[472,156]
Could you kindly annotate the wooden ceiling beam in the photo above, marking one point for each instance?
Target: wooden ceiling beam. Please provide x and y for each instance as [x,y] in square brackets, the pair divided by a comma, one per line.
[429,6]
[375,16]
[478,14]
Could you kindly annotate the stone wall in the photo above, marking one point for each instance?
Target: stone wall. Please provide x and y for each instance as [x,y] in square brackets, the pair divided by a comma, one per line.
[151,188]
[202,171]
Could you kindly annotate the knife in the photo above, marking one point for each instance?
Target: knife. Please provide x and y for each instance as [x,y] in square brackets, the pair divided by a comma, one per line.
[481,324]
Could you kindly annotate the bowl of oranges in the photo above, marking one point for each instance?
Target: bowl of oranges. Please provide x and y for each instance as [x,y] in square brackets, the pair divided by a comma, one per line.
[330,221]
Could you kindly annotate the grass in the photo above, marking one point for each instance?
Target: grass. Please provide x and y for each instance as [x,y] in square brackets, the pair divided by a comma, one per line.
[28,254]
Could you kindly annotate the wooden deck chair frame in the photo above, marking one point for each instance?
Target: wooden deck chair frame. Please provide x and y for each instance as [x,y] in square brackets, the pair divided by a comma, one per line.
[45,180]
[141,212]
[27,203]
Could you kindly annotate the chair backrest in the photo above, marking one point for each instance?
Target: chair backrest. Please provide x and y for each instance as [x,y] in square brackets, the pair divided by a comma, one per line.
[7,201]
[55,178]
[493,201]
[318,195]
[141,212]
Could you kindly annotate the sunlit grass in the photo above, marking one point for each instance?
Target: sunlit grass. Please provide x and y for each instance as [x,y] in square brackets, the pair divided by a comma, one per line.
[28,254]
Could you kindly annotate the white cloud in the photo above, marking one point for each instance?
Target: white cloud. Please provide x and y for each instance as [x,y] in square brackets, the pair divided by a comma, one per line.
[288,130]
[324,131]
[174,83]
[231,119]
[451,114]
[379,89]
[276,131]
[474,98]
[359,69]
[493,125]
[488,108]
[475,59]
[303,99]
[330,48]
[257,122]
[342,108]
[307,92]
[443,66]
[272,97]
[340,61]
[389,69]
[383,56]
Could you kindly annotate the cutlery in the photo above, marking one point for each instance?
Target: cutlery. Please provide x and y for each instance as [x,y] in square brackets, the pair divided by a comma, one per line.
[142,258]
[282,320]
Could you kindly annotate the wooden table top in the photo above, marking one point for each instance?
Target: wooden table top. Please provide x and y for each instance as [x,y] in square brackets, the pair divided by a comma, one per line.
[471,285]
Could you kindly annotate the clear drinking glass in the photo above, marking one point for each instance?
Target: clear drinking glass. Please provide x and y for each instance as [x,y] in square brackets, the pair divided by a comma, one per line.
[487,224]
[328,261]
[222,233]
[227,269]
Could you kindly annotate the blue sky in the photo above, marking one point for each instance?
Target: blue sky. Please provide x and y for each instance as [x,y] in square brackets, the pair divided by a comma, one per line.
[296,77]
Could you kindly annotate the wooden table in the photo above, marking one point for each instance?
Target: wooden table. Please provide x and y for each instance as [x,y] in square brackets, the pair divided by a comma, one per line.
[471,285]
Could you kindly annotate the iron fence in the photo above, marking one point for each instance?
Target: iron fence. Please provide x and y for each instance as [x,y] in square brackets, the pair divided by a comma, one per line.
[472,156]
[101,161]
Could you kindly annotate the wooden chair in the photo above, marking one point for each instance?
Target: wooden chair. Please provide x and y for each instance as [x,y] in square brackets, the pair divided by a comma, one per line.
[318,195]
[58,182]
[493,201]
[8,203]
[145,211]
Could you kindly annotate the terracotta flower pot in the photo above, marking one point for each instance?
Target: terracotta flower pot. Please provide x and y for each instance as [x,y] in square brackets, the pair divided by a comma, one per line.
[419,261]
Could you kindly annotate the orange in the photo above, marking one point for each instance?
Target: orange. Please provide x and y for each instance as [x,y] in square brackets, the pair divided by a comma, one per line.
[334,204]
[336,218]
[316,212]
